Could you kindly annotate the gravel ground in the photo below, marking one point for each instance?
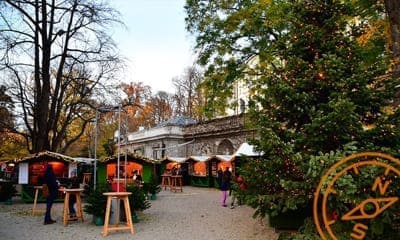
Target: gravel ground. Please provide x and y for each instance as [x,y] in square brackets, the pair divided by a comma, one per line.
[195,214]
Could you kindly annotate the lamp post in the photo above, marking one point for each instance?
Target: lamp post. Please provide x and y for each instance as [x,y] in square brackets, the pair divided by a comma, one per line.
[103,110]
[95,150]
[111,109]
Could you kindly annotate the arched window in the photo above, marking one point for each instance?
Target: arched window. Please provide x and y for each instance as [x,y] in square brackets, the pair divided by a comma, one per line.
[225,147]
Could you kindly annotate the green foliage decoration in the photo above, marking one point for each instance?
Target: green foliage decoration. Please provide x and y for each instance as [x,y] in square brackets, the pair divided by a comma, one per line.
[7,191]
[96,202]
[320,92]
[137,200]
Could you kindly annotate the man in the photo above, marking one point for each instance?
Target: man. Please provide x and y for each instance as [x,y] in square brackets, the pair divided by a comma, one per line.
[51,182]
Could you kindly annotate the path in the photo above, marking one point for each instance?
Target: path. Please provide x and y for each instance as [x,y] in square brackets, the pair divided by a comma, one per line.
[195,214]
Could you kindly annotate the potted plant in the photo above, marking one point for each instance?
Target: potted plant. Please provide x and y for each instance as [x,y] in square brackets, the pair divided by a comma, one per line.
[137,201]
[153,186]
[7,191]
[96,203]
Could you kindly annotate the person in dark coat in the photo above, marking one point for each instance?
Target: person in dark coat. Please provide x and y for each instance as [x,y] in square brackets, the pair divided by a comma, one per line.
[225,185]
[51,182]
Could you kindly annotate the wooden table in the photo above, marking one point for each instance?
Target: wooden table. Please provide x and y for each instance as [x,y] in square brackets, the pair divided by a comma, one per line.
[37,188]
[66,214]
[129,224]
[176,183]
[165,181]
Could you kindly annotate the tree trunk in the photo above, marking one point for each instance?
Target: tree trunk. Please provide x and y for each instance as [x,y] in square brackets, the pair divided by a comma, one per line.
[393,11]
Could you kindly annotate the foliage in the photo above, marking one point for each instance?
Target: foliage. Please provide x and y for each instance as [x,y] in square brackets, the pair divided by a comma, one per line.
[96,202]
[188,96]
[6,109]
[153,186]
[320,89]
[12,146]
[137,200]
[7,190]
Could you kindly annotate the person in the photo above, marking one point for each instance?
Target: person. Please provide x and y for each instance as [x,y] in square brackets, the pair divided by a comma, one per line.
[174,171]
[73,183]
[51,182]
[225,185]
[137,177]
[219,176]
[240,185]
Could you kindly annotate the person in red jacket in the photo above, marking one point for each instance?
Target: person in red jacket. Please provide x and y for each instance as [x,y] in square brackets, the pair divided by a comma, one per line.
[240,185]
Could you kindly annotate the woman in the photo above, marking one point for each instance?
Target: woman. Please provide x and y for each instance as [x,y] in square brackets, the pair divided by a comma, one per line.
[225,185]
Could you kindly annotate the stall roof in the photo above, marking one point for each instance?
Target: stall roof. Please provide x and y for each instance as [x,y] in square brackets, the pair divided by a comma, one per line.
[199,158]
[175,159]
[85,160]
[225,158]
[130,157]
[247,150]
[46,155]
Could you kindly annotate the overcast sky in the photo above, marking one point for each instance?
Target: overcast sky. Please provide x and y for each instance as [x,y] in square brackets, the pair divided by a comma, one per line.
[156,44]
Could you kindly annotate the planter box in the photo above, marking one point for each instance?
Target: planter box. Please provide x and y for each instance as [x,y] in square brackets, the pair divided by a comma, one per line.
[98,221]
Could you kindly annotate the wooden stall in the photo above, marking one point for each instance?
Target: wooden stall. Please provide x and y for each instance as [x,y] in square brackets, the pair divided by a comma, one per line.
[220,162]
[31,171]
[200,171]
[178,164]
[128,165]
[245,150]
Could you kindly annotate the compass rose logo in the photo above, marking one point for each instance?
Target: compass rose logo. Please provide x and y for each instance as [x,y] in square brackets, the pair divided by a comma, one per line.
[376,173]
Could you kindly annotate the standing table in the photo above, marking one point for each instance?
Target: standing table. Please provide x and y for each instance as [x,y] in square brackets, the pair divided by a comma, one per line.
[165,181]
[37,188]
[120,196]
[176,183]
[66,213]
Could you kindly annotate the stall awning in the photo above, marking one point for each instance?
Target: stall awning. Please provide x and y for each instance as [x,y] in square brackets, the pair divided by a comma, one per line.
[246,150]
[46,156]
[199,158]
[130,157]
[225,158]
[176,159]
[85,160]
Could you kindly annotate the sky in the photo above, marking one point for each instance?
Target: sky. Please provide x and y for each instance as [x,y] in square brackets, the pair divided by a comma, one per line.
[154,42]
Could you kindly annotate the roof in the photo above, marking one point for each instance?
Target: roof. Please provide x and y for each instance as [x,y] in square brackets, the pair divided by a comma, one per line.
[224,158]
[130,157]
[175,159]
[247,150]
[177,121]
[46,156]
[199,158]
[85,160]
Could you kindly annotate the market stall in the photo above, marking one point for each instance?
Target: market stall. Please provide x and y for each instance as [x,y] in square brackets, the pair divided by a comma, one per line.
[245,150]
[31,171]
[220,162]
[178,165]
[129,165]
[200,171]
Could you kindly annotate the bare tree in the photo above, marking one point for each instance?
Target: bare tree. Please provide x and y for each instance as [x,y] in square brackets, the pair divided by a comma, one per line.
[56,55]
[161,106]
[188,98]
[138,94]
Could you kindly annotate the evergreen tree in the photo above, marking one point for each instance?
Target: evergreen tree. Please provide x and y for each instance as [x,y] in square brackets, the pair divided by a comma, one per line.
[321,88]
